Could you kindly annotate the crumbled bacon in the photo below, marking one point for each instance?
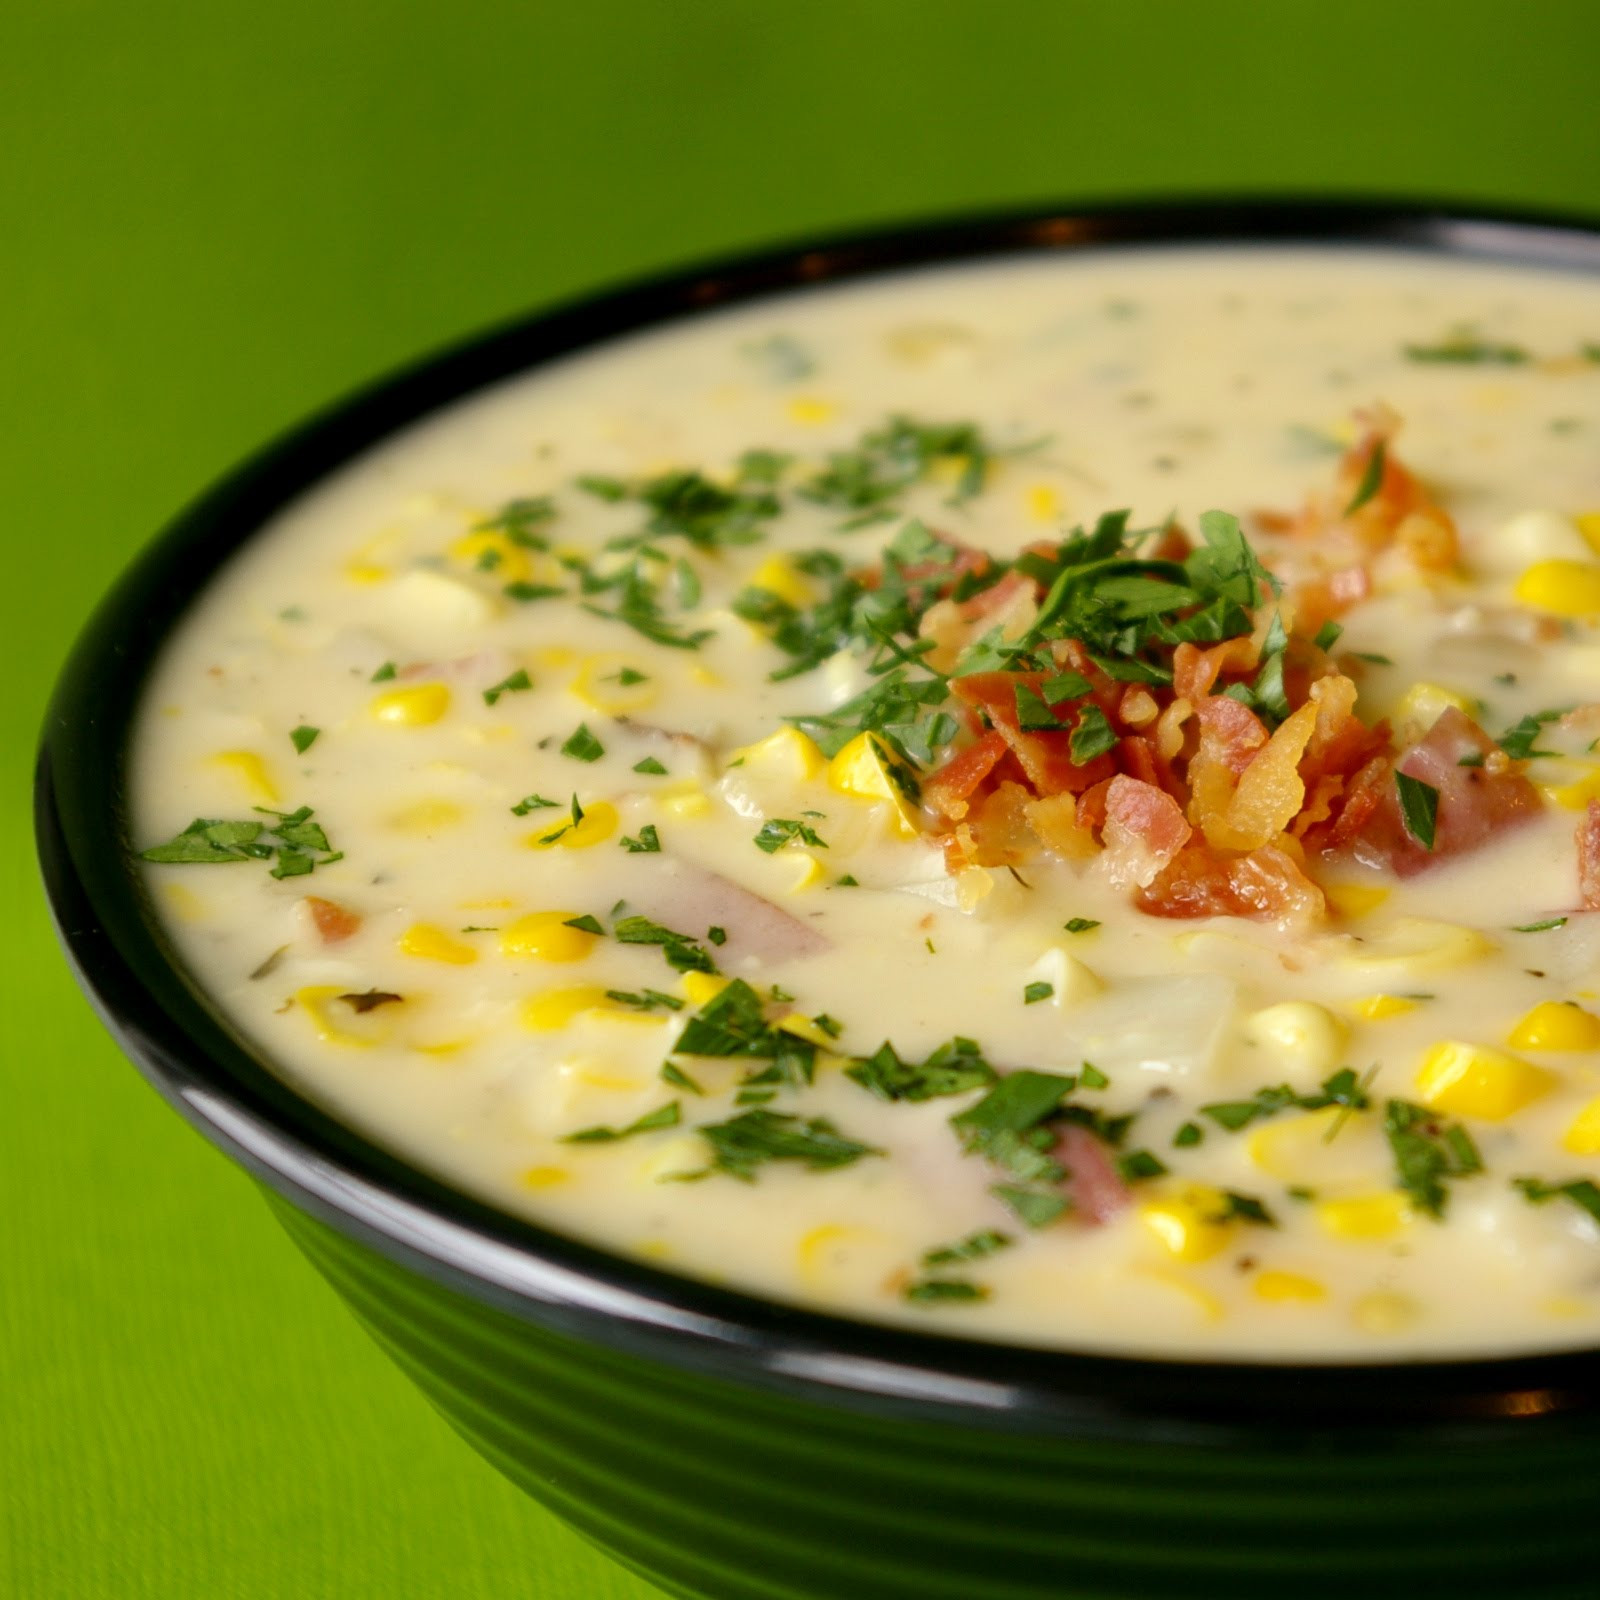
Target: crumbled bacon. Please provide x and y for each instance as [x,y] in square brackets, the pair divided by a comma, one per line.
[333,922]
[1589,858]
[1144,830]
[1093,1184]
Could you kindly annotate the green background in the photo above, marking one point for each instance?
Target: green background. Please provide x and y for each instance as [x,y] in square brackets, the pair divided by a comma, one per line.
[214,218]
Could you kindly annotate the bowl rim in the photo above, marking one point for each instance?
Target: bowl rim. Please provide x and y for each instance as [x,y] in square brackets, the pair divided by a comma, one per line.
[204,1066]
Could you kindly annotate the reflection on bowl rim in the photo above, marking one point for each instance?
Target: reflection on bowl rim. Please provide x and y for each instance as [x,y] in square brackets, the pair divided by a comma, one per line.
[203,1065]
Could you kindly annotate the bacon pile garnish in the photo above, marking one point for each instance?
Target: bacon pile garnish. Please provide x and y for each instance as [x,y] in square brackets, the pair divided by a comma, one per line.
[1199,806]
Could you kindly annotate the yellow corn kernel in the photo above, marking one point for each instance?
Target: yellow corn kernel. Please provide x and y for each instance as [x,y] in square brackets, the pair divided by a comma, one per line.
[809,872]
[427,816]
[316,1004]
[183,902]
[688,801]
[1423,703]
[598,823]
[788,751]
[1187,1222]
[412,707]
[1574,796]
[443,1047]
[494,903]
[1588,524]
[491,551]
[1375,1007]
[552,656]
[805,1028]
[817,1246]
[1197,1296]
[810,412]
[705,677]
[1307,1033]
[1295,1147]
[1355,899]
[598,684]
[1384,1312]
[780,576]
[1417,944]
[1557,1025]
[555,1008]
[250,770]
[1563,588]
[365,572]
[868,770]
[545,1177]
[546,936]
[428,943]
[1368,1216]
[701,988]
[596,1078]
[1043,503]
[1474,1080]
[1583,1137]
[1283,1287]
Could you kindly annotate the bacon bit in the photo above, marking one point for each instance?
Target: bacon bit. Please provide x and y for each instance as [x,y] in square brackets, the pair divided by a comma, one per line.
[333,922]
[1474,803]
[1093,1184]
[1195,671]
[1589,857]
[1138,708]
[1054,821]
[1270,792]
[1144,830]
[1046,757]
[1265,885]
[948,792]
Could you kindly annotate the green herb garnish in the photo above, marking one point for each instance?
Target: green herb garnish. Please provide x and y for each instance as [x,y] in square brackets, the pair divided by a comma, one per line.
[518,680]
[667,1116]
[1419,807]
[582,745]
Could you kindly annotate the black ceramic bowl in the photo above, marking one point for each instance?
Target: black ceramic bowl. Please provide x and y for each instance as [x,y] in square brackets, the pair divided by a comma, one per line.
[732,1448]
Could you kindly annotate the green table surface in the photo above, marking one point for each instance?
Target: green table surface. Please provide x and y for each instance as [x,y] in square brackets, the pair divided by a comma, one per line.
[214,218]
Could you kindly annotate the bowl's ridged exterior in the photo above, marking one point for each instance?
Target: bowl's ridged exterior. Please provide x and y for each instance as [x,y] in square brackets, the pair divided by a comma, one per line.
[719,1492]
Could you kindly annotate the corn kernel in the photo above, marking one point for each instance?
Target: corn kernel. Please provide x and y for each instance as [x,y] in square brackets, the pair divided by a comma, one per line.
[1187,1222]
[804,1028]
[1196,1295]
[1043,503]
[1563,588]
[689,801]
[1384,1312]
[1583,1137]
[598,823]
[1588,524]
[787,751]
[546,936]
[597,684]
[1574,796]
[1309,1034]
[1556,1025]
[251,771]
[1471,1080]
[705,677]
[1423,703]
[596,1078]
[427,816]
[1370,1216]
[316,1005]
[545,1177]
[778,575]
[183,902]
[1283,1287]
[365,573]
[1300,1149]
[1355,899]
[867,769]
[553,656]
[491,551]
[701,988]
[1375,1007]
[428,943]
[817,1246]
[413,707]
[442,1047]
[555,1008]
[810,412]
[1416,944]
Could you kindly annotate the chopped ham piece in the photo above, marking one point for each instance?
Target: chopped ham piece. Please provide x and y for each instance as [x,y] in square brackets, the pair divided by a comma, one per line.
[1144,830]
[1093,1184]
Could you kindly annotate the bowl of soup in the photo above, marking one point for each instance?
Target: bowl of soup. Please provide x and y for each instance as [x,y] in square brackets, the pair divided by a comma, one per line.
[916,917]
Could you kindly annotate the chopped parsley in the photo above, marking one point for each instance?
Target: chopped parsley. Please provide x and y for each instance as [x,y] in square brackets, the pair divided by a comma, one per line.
[1138,1165]
[667,1116]
[1520,742]
[1428,1151]
[944,1291]
[747,1142]
[384,673]
[1371,479]
[681,952]
[582,745]
[1541,927]
[299,844]
[1080,924]
[585,924]
[1467,349]
[1419,807]
[1582,1192]
[303,738]
[955,1067]
[532,802]
[650,767]
[645,999]
[1342,1089]
[647,843]
[973,1248]
[1190,1134]
[1036,992]
[777,832]
[517,681]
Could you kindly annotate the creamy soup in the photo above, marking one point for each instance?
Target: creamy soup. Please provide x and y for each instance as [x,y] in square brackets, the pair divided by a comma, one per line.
[1051,800]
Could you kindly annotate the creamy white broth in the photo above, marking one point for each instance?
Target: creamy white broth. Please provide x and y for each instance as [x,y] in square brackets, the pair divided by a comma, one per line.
[1169,381]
